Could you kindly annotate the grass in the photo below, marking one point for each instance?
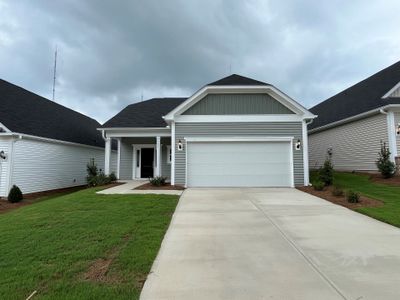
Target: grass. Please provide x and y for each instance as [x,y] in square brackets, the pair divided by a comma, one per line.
[389,195]
[49,246]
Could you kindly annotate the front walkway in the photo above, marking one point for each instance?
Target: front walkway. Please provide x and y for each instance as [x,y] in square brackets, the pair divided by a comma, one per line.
[273,244]
[129,185]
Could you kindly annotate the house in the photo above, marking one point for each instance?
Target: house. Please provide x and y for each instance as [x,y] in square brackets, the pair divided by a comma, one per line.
[234,132]
[352,124]
[44,145]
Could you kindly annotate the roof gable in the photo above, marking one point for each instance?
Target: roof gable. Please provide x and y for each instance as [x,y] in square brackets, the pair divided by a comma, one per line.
[362,97]
[24,112]
[236,79]
[237,104]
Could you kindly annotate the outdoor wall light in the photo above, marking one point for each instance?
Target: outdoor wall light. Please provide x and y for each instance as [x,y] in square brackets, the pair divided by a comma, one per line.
[180,145]
[298,145]
[3,155]
[398,129]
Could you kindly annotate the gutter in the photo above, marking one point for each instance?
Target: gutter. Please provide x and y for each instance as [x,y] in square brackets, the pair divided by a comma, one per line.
[363,115]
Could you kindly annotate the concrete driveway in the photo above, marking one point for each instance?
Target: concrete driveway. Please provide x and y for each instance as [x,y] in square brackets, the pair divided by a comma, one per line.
[273,244]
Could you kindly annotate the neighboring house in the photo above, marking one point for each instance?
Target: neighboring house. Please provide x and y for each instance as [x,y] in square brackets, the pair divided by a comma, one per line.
[44,145]
[354,123]
[233,132]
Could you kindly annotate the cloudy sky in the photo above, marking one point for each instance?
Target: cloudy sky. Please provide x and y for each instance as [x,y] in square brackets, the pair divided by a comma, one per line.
[113,52]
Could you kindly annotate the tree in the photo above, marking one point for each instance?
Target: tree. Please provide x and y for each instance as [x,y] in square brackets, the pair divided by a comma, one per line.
[384,164]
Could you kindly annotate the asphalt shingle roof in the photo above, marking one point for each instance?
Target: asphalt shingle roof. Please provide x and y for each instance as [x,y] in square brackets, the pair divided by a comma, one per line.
[361,97]
[147,113]
[22,111]
[235,79]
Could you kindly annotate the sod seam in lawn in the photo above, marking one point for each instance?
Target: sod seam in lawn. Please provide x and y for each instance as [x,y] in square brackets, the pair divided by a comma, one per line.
[388,194]
[49,246]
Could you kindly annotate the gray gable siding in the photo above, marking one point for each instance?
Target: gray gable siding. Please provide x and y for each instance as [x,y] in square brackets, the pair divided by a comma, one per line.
[183,130]
[237,104]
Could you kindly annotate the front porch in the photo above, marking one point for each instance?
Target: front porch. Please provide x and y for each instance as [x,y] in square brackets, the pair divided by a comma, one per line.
[142,154]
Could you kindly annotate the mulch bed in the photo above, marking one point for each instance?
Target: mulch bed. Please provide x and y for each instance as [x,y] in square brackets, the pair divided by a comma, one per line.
[377,178]
[327,195]
[149,186]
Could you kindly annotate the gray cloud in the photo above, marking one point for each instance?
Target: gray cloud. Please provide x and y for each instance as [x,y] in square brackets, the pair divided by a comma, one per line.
[112,52]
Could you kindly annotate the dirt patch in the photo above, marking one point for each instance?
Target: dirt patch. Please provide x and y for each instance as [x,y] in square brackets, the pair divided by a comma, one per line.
[98,271]
[149,186]
[327,195]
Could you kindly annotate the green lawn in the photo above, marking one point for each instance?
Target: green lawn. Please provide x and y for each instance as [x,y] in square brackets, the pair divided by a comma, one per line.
[49,246]
[390,195]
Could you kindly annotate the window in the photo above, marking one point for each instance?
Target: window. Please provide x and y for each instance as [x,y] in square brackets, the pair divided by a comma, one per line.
[169,155]
[137,158]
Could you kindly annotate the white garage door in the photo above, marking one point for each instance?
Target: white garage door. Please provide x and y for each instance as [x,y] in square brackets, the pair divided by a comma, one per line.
[240,164]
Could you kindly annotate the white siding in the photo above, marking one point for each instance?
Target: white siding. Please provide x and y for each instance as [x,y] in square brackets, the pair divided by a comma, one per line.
[40,165]
[125,171]
[355,145]
[4,165]
[397,123]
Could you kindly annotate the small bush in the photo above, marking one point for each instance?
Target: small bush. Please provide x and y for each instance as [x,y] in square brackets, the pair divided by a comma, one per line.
[326,172]
[337,191]
[91,168]
[15,194]
[318,185]
[384,164]
[158,180]
[99,179]
[113,177]
[352,197]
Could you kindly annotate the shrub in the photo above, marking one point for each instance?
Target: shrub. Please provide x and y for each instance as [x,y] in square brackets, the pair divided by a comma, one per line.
[91,168]
[158,180]
[326,171]
[113,177]
[352,197]
[337,191]
[15,194]
[384,164]
[318,185]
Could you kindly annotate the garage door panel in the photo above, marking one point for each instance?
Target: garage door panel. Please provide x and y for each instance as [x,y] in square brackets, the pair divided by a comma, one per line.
[239,164]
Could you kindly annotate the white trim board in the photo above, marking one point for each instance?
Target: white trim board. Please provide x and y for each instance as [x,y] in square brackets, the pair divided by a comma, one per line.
[237,118]
[240,139]
[391,91]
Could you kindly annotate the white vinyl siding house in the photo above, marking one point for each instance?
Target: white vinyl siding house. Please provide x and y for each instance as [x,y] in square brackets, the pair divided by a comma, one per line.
[45,148]
[36,165]
[354,145]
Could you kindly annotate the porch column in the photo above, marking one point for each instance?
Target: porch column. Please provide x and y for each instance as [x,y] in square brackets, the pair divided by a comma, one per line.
[158,159]
[107,156]
[391,135]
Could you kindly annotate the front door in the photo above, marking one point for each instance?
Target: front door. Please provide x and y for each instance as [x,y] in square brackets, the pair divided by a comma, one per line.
[147,162]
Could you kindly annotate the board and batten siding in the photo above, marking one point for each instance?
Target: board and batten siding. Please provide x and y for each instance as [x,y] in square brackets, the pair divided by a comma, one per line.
[237,104]
[355,145]
[40,165]
[255,129]
[5,145]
